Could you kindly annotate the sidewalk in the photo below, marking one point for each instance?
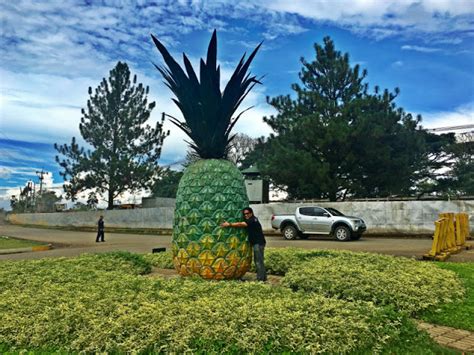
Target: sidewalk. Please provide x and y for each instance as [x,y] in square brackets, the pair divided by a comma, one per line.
[462,340]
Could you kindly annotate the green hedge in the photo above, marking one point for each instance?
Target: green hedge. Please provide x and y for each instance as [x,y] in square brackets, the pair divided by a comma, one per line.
[279,260]
[101,303]
[334,302]
[163,260]
[408,285]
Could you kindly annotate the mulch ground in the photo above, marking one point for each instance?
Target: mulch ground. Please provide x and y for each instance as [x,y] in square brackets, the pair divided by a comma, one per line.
[172,273]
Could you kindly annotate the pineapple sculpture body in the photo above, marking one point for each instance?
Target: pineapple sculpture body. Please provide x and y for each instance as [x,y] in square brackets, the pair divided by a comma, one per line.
[212,189]
[210,192]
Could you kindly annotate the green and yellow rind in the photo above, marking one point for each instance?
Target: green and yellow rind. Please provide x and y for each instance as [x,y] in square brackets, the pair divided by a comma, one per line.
[210,192]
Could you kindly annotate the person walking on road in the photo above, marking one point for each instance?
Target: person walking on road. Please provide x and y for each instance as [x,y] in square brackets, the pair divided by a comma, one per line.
[100,230]
[256,239]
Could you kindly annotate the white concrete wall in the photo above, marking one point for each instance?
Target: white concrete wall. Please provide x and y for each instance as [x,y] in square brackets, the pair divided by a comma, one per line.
[159,217]
[381,217]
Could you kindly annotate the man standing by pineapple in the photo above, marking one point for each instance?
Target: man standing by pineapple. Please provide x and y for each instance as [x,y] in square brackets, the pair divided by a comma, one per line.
[256,239]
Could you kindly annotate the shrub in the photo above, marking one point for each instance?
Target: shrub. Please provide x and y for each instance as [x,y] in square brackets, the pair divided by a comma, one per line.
[163,260]
[83,304]
[408,285]
[138,262]
[279,260]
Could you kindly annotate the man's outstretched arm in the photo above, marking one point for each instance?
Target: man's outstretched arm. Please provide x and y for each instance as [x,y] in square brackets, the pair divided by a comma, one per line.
[226,224]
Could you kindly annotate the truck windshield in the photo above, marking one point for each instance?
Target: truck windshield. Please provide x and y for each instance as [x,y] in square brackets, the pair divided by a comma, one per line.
[335,212]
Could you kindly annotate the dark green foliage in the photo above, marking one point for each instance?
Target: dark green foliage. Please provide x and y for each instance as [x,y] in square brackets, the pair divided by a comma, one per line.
[386,148]
[124,149]
[450,165]
[163,260]
[336,139]
[167,184]
[438,155]
[206,110]
[463,169]
[138,263]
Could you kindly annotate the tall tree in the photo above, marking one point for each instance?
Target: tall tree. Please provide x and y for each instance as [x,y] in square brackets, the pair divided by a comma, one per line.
[335,138]
[240,147]
[435,173]
[123,150]
[463,168]
[307,152]
[167,184]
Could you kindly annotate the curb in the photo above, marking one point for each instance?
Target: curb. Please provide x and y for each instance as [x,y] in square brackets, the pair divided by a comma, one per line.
[26,250]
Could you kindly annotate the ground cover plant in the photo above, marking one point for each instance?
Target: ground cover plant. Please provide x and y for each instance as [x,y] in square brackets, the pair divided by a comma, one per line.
[7,242]
[460,313]
[162,260]
[106,302]
[407,285]
[101,303]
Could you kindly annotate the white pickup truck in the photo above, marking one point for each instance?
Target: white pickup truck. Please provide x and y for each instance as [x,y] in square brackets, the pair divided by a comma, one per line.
[318,220]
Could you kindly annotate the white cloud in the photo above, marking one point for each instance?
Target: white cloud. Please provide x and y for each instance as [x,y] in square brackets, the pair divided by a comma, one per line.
[13,155]
[41,107]
[22,171]
[387,18]
[5,173]
[420,49]
[46,108]
[462,115]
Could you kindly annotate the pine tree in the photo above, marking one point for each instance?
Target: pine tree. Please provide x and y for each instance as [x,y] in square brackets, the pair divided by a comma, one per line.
[123,150]
[335,138]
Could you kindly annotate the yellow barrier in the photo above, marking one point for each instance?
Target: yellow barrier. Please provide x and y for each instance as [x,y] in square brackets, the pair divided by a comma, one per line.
[451,232]
[462,228]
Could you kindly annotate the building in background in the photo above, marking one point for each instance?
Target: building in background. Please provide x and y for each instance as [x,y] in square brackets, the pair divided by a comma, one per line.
[257,187]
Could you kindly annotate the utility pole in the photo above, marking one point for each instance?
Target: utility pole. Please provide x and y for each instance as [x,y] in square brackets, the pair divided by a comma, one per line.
[41,178]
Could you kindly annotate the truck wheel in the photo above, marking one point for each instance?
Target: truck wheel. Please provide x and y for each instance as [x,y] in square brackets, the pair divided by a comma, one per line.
[342,233]
[289,232]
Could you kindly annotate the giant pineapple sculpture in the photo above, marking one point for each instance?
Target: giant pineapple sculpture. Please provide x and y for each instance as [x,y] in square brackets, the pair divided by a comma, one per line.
[212,189]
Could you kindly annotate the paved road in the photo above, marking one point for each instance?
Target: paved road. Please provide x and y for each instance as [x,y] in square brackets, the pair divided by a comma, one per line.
[70,243]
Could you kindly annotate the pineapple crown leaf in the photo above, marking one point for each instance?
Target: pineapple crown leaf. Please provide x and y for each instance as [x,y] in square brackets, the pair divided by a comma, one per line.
[208,112]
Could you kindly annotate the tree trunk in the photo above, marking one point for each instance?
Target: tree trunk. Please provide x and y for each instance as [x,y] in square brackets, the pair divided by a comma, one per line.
[110,200]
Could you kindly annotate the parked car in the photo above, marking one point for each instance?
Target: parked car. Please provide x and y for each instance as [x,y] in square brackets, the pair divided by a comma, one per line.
[319,220]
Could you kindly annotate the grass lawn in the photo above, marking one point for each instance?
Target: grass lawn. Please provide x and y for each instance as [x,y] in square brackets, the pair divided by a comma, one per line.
[12,243]
[459,314]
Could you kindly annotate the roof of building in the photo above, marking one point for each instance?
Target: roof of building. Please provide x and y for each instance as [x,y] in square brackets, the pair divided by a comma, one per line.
[251,170]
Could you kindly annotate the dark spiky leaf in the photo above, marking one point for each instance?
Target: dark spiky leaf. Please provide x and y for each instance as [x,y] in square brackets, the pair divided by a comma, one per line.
[208,112]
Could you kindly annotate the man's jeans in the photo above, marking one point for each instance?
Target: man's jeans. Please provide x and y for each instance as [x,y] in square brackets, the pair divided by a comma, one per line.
[258,254]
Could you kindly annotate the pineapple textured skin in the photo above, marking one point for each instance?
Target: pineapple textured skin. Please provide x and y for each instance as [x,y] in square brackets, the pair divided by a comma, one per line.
[210,191]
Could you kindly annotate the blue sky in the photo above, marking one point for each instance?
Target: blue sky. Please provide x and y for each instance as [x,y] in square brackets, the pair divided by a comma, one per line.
[52,51]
